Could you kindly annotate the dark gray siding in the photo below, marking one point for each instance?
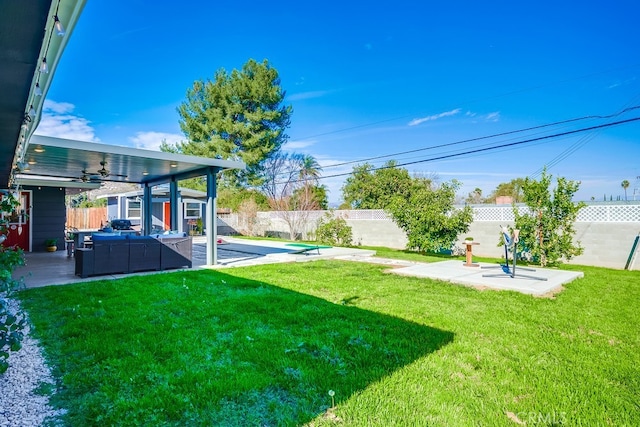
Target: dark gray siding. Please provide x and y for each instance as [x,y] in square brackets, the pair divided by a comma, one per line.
[48,216]
[158,213]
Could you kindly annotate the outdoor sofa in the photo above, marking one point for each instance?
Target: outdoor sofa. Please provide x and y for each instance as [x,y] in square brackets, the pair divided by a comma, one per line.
[112,253]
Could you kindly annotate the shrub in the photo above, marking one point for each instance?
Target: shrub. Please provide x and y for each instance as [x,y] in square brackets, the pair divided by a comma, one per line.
[12,319]
[334,231]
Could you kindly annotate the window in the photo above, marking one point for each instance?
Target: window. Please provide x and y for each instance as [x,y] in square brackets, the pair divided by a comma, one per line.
[133,209]
[191,210]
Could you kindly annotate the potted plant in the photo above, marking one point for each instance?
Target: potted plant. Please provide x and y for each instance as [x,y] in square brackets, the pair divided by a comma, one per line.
[468,239]
[51,245]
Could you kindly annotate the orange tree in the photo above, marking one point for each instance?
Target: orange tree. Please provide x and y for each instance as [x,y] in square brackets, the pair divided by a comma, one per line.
[546,228]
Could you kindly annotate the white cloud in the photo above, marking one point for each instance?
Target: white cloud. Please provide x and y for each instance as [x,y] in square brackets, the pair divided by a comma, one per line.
[619,83]
[415,122]
[493,117]
[296,145]
[58,107]
[307,95]
[57,121]
[152,140]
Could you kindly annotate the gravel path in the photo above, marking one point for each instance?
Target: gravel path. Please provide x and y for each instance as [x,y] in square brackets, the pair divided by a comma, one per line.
[20,405]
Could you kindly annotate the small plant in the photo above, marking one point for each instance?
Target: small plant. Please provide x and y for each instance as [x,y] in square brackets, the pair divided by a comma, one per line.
[468,239]
[332,394]
[51,242]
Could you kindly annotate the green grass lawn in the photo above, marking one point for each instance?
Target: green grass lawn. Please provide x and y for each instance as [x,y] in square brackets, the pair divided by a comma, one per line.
[264,346]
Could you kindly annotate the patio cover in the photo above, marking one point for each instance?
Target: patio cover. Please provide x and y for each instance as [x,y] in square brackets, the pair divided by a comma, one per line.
[60,162]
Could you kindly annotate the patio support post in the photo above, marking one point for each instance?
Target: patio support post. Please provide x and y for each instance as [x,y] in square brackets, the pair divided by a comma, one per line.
[180,214]
[147,214]
[211,220]
[173,204]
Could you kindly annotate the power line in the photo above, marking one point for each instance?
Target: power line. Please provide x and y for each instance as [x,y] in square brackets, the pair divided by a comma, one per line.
[479,150]
[574,147]
[486,137]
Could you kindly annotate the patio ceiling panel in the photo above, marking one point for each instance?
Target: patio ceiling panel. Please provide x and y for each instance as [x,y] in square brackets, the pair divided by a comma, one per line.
[63,160]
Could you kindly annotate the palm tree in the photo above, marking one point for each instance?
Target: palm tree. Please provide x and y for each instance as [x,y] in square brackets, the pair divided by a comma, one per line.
[625,185]
[309,169]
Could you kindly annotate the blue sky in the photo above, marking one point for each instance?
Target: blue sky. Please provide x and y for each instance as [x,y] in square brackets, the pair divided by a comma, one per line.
[369,79]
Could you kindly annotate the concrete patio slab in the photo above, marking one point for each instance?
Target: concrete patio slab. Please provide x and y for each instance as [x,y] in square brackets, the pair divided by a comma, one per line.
[44,268]
[493,276]
[56,268]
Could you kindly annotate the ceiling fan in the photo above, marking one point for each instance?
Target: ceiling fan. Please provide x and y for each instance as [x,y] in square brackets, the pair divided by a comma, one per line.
[87,177]
[104,172]
[99,175]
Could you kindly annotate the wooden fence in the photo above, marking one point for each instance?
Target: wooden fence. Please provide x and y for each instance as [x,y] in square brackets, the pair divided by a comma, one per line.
[86,218]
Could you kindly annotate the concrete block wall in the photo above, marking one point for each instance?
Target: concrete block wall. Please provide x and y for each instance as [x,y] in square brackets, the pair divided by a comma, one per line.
[606,244]
[383,233]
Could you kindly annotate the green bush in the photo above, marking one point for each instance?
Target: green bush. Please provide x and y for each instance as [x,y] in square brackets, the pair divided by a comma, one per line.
[12,319]
[334,231]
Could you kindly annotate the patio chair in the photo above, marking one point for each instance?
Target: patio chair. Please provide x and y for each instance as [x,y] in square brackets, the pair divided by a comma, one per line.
[144,253]
[109,255]
[175,251]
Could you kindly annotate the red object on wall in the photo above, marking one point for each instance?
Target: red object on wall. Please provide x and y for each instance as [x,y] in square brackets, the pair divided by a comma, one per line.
[19,224]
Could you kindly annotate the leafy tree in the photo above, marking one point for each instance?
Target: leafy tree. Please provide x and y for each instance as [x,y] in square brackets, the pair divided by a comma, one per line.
[511,189]
[546,230]
[233,198]
[291,197]
[428,216]
[236,116]
[625,185]
[367,188]
[82,201]
[475,196]
[319,194]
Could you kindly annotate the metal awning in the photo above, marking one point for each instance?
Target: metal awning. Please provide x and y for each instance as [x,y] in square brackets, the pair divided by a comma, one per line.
[69,163]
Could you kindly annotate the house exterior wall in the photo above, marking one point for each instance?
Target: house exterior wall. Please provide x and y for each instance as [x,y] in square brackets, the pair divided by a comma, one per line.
[157,212]
[48,216]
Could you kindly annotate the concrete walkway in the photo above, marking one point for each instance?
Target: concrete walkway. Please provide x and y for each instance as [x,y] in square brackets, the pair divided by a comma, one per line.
[44,268]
